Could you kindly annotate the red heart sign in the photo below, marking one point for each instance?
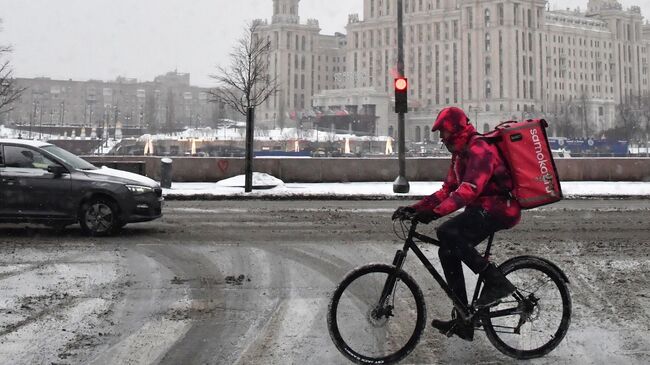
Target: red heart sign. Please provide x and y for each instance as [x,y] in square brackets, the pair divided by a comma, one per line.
[223,165]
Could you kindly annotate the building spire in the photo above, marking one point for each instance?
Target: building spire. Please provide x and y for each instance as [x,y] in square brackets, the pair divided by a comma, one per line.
[286,11]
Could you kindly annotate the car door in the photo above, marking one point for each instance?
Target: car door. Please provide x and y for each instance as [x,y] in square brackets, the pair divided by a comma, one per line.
[28,189]
[10,196]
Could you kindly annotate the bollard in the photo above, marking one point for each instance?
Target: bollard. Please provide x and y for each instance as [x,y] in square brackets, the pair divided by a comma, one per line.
[166,173]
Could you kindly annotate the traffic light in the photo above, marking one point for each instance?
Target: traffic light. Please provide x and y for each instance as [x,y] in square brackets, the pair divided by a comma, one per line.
[401,90]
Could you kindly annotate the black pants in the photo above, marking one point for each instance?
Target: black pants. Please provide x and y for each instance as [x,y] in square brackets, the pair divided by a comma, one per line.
[459,236]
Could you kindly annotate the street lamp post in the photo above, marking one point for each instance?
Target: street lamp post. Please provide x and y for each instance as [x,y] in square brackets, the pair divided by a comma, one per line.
[40,123]
[115,112]
[32,119]
[62,112]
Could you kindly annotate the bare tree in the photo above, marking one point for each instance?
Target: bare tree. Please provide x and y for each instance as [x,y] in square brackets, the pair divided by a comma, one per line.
[645,113]
[9,91]
[560,116]
[628,116]
[246,82]
[582,109]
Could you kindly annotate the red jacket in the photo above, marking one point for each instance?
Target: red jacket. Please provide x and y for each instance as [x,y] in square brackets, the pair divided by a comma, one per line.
[478,177]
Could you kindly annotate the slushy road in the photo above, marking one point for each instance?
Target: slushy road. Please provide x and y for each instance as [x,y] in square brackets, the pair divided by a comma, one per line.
[248,282]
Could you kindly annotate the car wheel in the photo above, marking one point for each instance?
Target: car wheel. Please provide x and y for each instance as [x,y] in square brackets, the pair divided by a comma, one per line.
[99,217]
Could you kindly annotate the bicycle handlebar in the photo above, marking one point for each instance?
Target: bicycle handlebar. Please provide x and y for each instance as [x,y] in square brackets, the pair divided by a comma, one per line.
[410,231]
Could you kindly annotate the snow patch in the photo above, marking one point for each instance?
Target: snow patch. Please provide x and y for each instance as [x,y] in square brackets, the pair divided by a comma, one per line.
[260,180]
[107,171]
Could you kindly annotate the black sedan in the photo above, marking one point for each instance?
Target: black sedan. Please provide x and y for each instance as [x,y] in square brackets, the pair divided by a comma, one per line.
[42,183]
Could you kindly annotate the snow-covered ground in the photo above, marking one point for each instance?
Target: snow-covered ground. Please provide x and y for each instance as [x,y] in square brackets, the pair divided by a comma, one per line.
[234,188]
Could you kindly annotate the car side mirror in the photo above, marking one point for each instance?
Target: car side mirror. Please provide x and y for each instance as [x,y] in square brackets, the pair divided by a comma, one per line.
[57,170]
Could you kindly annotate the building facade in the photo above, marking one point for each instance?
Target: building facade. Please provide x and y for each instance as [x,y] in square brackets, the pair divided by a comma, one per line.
[165,104]
[303,61]
[497,59]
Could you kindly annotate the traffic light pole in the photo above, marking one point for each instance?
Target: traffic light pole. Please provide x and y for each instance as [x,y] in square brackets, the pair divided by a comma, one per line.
[248,165]
[401,184]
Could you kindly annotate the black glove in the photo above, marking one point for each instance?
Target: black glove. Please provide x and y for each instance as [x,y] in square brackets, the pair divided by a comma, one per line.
[402,211]
[426,216]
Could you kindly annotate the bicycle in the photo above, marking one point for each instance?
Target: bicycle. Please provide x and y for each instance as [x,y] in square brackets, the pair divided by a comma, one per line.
[377,313]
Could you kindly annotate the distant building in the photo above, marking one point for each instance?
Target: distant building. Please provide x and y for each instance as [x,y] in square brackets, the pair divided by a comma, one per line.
[167,103]
[497,59]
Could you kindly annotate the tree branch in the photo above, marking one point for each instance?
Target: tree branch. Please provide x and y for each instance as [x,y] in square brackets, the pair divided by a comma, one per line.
[245,82]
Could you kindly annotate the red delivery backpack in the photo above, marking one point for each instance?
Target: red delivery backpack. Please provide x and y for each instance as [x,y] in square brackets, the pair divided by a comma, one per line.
[524,146]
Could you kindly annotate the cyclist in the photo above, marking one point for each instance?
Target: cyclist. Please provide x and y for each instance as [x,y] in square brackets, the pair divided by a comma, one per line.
[479,180]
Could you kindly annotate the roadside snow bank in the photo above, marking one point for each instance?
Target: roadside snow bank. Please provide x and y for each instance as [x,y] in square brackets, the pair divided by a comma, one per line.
[260,181]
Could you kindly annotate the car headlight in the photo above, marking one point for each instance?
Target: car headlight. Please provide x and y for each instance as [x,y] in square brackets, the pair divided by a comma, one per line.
[139,189]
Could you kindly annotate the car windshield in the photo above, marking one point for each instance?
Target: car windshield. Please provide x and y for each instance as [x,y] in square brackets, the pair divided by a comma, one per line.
[70,158]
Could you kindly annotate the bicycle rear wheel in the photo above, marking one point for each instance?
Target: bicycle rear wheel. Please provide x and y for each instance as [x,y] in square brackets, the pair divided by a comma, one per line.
[367,331]
[536,319]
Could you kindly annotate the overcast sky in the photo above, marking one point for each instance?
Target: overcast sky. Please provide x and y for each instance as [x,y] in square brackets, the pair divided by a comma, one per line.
[103,39]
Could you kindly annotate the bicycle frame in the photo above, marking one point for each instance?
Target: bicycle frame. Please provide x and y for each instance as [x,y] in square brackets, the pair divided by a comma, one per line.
[466,311]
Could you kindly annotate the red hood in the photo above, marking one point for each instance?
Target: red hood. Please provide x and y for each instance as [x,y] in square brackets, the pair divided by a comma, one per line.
[454,121]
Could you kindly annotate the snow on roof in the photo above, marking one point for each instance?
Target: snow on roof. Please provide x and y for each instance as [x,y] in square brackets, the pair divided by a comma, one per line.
[26,142]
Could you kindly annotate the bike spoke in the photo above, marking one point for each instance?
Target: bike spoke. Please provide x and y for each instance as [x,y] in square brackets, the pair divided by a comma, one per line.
[532,321]
[537,288]
[371,328]
[513,330]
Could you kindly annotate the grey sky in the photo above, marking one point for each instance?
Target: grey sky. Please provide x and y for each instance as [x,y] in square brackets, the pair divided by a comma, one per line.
[101,39]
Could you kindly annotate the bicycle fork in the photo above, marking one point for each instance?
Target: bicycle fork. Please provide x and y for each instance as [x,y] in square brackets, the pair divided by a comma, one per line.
[389,286]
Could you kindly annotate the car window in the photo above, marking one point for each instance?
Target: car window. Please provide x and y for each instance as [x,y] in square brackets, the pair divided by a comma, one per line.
[69,158]
[22,157]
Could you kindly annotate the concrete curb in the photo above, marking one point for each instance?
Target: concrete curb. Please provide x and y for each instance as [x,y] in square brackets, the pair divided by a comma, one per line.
[243,196]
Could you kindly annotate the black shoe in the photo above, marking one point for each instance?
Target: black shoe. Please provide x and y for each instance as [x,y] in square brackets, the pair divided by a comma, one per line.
[456,326]
[496,287]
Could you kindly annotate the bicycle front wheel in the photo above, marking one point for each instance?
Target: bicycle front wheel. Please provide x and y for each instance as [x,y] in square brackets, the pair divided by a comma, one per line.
[536,319]
[366,329]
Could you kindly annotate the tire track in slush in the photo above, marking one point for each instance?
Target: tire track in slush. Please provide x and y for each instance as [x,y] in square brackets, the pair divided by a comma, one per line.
[143,334]
[297,317]
[205,295]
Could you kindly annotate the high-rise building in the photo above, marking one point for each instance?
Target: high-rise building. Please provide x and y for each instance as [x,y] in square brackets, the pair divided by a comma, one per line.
[497,59]
[302,60]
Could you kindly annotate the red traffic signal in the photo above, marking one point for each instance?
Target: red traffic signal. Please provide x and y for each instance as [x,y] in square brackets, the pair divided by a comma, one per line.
[401,93]
[401,83]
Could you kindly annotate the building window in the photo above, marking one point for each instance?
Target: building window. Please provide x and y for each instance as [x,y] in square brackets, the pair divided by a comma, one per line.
[488,90]
[500,13]
[487,17]
[516,14]
[470,18]
[487,42]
